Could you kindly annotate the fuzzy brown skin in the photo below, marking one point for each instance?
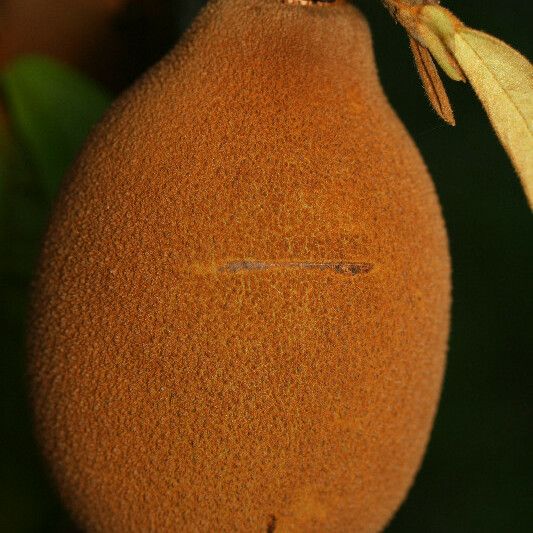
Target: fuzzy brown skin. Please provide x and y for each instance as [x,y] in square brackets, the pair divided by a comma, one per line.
[241,316]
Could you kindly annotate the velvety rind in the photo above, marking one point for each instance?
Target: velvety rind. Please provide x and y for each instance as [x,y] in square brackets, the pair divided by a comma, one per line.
[175,393]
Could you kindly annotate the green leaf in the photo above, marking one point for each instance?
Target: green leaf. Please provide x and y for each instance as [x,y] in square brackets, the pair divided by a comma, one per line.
[4,162]
[52,109]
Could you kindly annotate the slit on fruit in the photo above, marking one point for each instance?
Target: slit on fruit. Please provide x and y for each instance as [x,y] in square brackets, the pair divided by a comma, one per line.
[309,2]
[337,267]
[271,527]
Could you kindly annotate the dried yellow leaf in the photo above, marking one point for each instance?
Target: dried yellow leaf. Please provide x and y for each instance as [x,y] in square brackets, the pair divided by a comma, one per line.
[432,83]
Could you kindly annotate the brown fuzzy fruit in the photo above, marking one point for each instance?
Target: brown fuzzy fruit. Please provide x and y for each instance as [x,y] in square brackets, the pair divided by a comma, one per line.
[241,315]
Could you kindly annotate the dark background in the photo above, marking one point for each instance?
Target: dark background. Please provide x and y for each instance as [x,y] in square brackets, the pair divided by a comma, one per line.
[476,476]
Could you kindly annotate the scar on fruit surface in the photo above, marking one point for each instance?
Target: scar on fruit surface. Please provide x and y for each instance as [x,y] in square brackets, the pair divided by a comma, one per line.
[242,266]
[318,3]
[338,267]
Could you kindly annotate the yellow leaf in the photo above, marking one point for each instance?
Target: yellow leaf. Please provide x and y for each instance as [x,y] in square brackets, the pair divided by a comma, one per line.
[503,80]
[429,30]
[440,52]
[501,77]
[435,27]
